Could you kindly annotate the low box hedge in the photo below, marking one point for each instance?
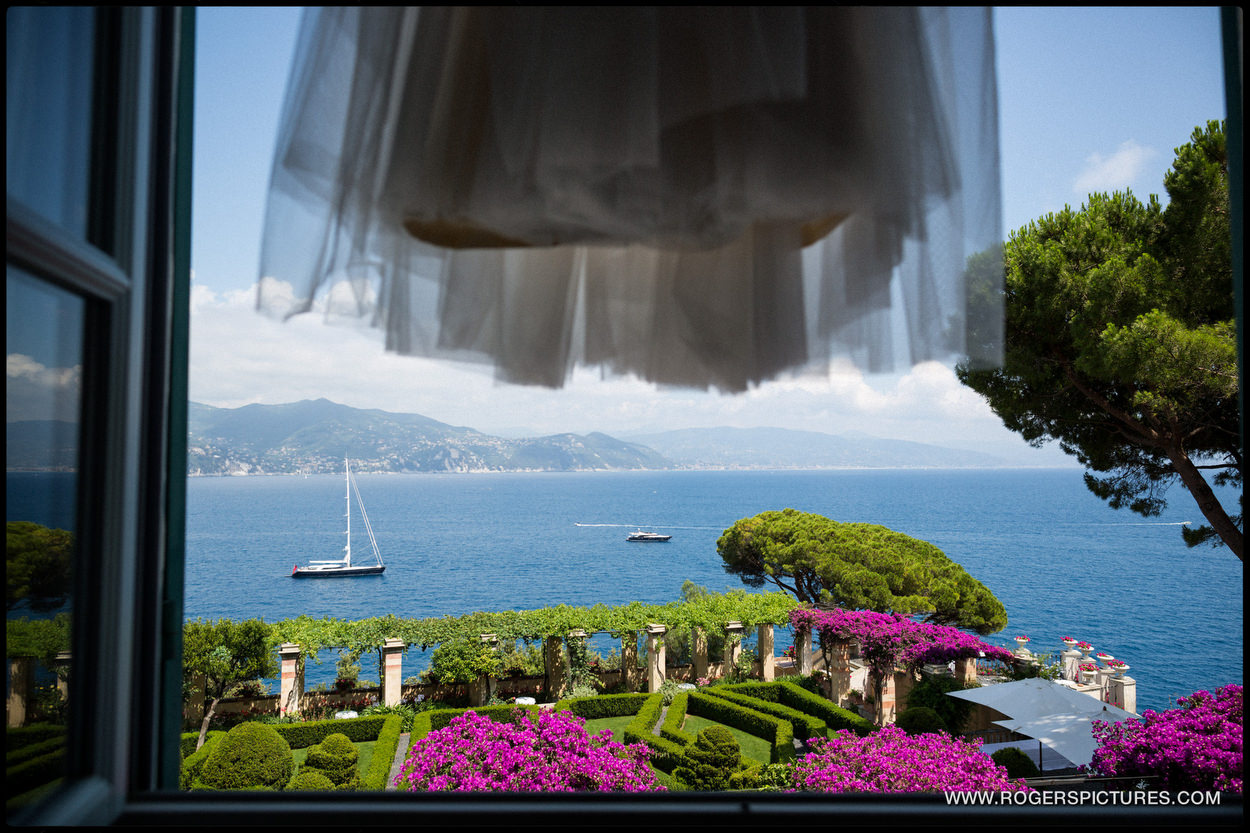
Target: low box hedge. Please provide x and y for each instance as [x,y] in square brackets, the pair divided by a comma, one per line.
[189,772]
[774,729]
[603,705]
[427,722]
[665,754]
[375,778]
[800,699]
[21,736]
[804,726]
[671,729]
[35,772]
[35,750]
[357,729]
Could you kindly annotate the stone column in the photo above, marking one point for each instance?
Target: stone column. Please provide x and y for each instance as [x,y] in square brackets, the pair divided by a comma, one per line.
[803,648]
[553,663]
[629,660]
[768,670]
[698,652]
[966,670]
[63,663]
[392,672]
[885,708]
[1124,693]
[733,645]
[21,689]
[292,678]
[655,657]
[1070,660]
[576,637]
[840,673]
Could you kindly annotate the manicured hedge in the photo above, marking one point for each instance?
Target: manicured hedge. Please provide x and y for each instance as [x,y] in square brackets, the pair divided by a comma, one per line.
[664,753]
[251,755]
[194,762]
[800,699]
[35,750]
[748,720]
[673,720]
[35,772]
[427,722]
[603,705]
[804,726]
[357,729]
[375,777]
[22,736]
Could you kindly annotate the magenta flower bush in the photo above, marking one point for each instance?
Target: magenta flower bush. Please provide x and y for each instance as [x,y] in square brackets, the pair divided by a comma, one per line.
[1195,746]
[550,752]
[889,639]
[892,761]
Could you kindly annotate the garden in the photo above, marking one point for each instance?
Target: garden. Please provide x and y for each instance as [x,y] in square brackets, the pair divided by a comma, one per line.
[724,729]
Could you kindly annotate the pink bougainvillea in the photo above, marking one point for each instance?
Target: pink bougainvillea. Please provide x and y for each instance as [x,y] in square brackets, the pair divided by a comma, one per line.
[889,639]
[1195,746]
[892,761]
[550,752]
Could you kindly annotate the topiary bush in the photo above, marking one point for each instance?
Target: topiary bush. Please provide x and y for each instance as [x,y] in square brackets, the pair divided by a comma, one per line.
[920,720]
[1018,764]
[337,758]
[710,760]
[250,755]
[310,779]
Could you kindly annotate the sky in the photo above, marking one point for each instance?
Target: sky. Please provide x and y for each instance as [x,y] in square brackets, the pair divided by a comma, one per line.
[1090,99]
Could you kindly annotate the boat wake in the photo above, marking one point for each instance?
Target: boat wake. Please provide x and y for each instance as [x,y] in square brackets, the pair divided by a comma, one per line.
[636,526]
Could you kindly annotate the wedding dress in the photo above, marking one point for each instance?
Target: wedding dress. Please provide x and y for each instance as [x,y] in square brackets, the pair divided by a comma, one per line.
[705,196]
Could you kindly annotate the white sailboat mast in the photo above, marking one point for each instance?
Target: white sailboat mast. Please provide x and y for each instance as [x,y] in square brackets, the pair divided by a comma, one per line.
[347,481]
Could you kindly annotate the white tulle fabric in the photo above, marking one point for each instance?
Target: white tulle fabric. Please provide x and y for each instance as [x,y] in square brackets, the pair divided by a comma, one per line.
[703,197]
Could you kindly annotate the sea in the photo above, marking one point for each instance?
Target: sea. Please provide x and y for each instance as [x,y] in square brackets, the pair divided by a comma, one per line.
[1062,562]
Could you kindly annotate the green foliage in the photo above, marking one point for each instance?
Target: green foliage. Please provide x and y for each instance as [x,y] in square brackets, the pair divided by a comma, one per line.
[463,660]
[38,565]
[708,762]
[604,705]
[806,702]
[665,754]
[857,566]
[920,720]
[1018,764]
[39,638]
[779,732]
[250,755]
[226,653]
[310,779]
[1120,341]
[337,757]
[931,693]
[805,726]
[765,778]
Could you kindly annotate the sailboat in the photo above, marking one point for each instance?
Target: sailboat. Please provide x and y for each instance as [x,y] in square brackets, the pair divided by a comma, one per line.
[343,567]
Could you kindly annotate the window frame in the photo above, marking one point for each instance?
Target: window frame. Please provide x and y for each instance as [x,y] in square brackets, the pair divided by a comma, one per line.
[128,612]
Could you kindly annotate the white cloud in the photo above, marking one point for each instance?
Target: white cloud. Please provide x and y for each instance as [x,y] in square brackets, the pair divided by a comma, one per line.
[34,391]
[239,356]
[1116,172]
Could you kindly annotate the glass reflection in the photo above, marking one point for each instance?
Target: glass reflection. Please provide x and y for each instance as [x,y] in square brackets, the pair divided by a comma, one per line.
[44,344]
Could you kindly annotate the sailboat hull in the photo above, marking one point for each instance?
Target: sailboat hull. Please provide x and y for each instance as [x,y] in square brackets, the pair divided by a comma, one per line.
[338,572]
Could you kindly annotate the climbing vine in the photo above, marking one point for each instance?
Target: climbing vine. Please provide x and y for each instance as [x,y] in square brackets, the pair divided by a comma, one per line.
[710,613]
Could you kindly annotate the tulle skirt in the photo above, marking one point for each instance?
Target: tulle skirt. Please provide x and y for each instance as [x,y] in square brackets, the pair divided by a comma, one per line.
[704,197]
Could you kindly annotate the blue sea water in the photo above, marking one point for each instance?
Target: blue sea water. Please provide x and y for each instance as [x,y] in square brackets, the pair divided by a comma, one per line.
[1060,560]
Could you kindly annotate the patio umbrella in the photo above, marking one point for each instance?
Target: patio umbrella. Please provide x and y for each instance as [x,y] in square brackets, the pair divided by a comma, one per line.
[1032,698]
[1070,734]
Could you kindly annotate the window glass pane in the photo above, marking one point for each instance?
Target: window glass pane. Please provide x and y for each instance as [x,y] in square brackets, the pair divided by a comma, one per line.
[48,75]
[44,343]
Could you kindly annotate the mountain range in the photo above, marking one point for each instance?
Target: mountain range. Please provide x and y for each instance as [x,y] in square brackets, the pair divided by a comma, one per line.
[313,436]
